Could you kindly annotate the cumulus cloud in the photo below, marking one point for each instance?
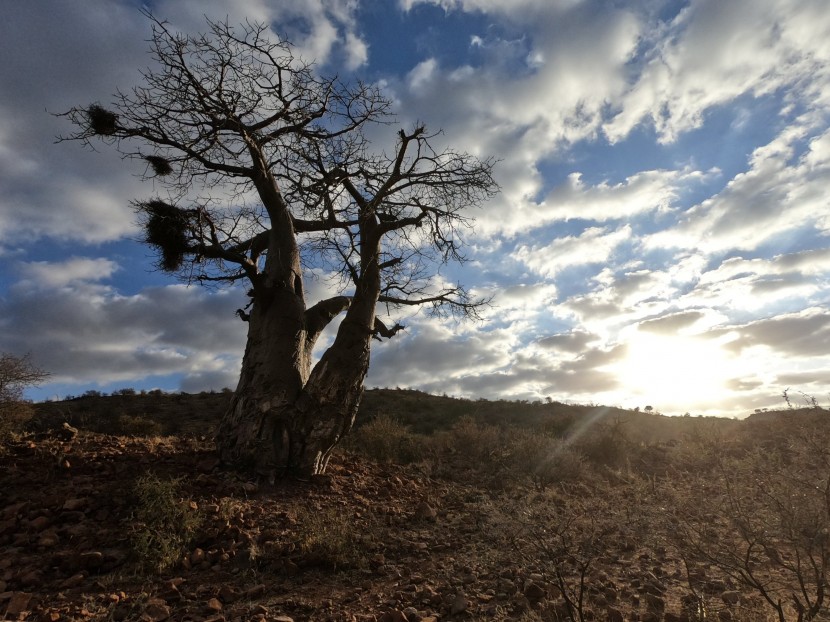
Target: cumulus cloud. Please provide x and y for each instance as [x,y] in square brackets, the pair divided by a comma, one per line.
[593,246]
[98,336]
[73,270]
[665,250]
[783,193]
[715,52]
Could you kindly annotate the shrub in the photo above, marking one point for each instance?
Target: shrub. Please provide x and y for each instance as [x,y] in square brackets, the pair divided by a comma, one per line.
[165,523]
[384,439]
[776,503]
[16,374]
[329,538]
[606,446]
[478,443]
[545,460]
[137,425]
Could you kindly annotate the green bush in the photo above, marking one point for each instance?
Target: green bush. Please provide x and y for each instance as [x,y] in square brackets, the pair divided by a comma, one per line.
[329,538]
[164,523]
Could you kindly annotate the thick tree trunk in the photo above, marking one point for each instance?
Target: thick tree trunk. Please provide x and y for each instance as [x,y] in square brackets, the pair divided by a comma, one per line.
[285,418]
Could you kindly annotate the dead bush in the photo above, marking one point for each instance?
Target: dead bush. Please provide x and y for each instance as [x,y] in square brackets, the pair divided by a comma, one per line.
[545,460]
[385,439]
[775,507]
[331,539]
[16,374]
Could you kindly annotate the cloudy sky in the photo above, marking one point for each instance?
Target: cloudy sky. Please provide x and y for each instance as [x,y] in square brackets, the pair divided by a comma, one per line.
[661,237]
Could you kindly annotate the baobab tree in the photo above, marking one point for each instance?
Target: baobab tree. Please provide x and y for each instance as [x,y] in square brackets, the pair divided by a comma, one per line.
[269,172]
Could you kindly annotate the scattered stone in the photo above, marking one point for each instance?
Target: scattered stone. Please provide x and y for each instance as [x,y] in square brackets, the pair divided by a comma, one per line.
[18,603]
[73,505]
[92,560]
[48,539]
[459,604]
[655,603]
[614,615]
[731,597]
[67,432]
[393,616]
[424,512]
[197,557]
[156,610]
[256,592]
[534,592]
[214,604]
[73,581]
[228,594]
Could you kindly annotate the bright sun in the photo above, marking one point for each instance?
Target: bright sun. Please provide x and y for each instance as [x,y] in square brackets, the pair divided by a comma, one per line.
[674,372]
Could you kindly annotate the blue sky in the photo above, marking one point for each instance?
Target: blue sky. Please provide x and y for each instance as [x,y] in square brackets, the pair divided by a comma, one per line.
[661,237]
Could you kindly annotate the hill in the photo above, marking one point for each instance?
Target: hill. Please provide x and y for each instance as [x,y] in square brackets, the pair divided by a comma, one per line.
[436,509]
[198,414]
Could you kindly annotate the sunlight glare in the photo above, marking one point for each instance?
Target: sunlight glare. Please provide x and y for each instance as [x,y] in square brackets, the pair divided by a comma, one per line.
[675,373]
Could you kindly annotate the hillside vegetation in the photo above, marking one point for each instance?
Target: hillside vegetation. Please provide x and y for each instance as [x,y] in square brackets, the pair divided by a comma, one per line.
[434,509]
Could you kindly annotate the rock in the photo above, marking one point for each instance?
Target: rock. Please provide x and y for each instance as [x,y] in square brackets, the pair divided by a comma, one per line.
[31,578]
[155,611]
[214,604]
[673,617]
[66,432]
[92,560]
[393,616]
[48,539]
[731,597]
[228,594]
[73,505]
[534,592]
[74,581]
[283,619]
[424,512]
[614,615]
[256,592]
[18,603]
[197,557]
[459,604]
[39,523]
[655,603]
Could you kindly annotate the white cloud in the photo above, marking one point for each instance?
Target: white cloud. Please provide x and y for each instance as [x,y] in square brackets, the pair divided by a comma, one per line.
[47,274]
[781,193]
[715,52]
[99,336]
[594,245]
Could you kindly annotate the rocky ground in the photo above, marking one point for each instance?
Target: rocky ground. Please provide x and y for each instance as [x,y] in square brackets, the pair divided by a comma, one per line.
[366,542]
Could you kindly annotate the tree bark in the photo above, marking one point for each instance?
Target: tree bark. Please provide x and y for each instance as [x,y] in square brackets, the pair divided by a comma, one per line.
[284,417]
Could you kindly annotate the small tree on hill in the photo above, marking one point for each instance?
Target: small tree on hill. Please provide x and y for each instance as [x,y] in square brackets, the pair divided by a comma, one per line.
[16,374]
[287,179]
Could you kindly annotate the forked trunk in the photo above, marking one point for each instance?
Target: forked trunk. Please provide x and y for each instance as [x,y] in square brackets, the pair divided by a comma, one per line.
[285,418]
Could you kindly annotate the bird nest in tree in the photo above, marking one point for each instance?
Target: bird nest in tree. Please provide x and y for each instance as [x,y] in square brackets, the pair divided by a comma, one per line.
[167,229]
[161,166]
[101,121]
